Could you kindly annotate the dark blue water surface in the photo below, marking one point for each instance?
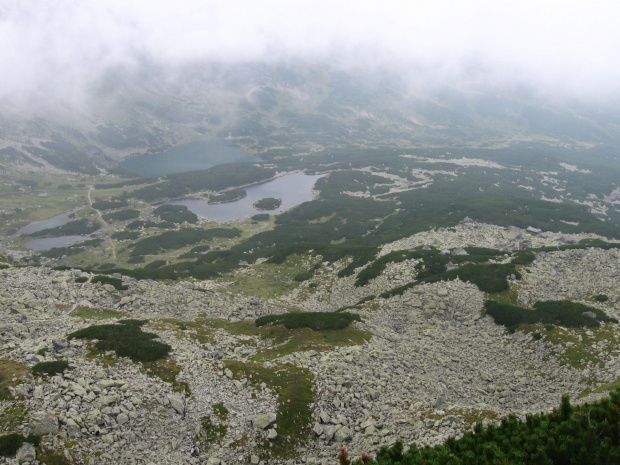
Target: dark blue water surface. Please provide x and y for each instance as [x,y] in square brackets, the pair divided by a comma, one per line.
[186,157]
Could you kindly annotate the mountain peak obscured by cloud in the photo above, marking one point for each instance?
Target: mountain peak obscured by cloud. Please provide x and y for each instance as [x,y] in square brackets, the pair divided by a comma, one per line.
[59,50]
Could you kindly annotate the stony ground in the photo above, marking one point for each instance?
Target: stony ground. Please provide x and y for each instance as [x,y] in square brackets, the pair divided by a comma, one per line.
[430,367]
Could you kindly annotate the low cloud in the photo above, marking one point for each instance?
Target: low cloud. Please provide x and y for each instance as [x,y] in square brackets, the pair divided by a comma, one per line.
[57,50]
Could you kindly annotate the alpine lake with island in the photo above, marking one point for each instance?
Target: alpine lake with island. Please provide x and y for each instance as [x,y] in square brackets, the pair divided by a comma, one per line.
[292,189]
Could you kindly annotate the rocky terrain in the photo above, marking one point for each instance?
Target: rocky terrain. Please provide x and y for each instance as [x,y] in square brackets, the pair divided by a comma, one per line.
[429,366]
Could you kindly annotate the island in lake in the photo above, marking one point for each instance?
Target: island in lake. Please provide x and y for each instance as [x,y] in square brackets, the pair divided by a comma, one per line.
[231,195]
[268,203]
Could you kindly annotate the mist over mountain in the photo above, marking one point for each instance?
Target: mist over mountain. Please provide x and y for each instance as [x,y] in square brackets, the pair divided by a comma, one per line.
[296,104]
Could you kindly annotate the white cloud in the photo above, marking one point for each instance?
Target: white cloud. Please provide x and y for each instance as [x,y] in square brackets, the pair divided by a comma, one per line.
[61,46]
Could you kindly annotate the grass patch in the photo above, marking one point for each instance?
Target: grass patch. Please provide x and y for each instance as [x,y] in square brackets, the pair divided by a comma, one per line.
[210,433]
[221,411]
[52,457]
[127,340]
[269,280]
[50,368]
[13,416]
[317,321]
[89,313]
[293,388]
[510,296]
[167,370]
[9,370]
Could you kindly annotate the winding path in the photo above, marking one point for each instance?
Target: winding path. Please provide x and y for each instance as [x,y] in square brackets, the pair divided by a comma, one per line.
[103,222]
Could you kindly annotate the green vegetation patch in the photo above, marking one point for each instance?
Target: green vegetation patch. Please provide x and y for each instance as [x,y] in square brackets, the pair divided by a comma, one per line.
[72,228]
[216,178]
[488,278]
[177,239]
[50,368]
[268,203]
[109,204]
[116,282]
[211,432]
[58,252]
[227,196]
[10,443]
[586,434]
[9,370]
[317,321]
[122,215]
[293,388]
[127,340]
[167,370]
[261,217]
[562,313]
[125,235]
[88,313]
[177,214]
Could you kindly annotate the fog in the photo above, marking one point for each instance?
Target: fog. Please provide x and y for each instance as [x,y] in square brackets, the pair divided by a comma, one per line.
[57,50]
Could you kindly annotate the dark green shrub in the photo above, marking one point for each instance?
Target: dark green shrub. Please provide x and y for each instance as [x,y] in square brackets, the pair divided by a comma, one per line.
[227,196]
[561,313]
[525,257]
[122,215]
[116,282]
[304,276]
[124,235]
[10,444]
[72,228]
[314,320]
[176,214]
[268,203]
[126,339]
[601,298]
[261,217]
[155,264]
[50,368]
[570,314]
[81,279]
[133,322]
[585,434]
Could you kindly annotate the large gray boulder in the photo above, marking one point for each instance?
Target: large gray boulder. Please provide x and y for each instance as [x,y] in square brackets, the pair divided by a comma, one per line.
[43,423]
[26,453]
[263,421]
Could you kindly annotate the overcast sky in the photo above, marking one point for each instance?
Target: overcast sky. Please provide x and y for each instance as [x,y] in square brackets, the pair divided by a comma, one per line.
[61,46]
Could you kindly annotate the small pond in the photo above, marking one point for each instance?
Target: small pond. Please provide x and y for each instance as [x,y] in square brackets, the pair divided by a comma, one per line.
[51,242]
[293,189]
[186,157]
[37,226]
